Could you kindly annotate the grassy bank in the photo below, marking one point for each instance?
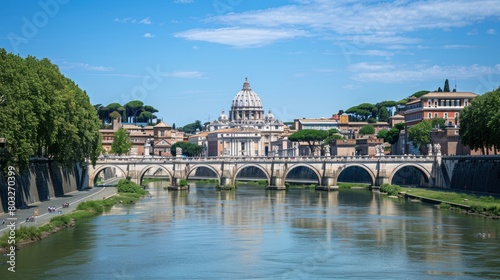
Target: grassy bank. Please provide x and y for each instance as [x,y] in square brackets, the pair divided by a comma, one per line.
[128,192]
[343,186]
[483,205]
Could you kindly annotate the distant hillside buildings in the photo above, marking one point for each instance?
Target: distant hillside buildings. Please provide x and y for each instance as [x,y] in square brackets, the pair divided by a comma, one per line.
[248,131]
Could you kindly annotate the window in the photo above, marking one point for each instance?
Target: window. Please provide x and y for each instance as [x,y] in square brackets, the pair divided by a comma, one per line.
[435,115]
[429,103]
[445,116]
[429,115]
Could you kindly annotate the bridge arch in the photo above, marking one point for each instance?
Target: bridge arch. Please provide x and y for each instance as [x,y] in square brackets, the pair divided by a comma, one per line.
[102,168]
[194,166]
[362,166]
[309,166]
[423,171]
[146,169]
[268,176]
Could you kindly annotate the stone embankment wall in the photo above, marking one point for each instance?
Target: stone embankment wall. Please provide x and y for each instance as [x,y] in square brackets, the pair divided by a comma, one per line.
[472,173]
[42,181]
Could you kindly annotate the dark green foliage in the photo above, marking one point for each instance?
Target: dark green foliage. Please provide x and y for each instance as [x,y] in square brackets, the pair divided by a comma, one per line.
[367,130]
[313,137]
[419,94]
[390,189]
[446,86]
[44,114]
[183,182]
[383,134]
[126,186]
[188,149]
[420,133]
[400,126]
[121,143]
[480,122]
[91,205]
[191,127]
[392,136]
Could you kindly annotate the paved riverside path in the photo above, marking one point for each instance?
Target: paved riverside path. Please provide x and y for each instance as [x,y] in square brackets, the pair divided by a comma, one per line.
[73,198]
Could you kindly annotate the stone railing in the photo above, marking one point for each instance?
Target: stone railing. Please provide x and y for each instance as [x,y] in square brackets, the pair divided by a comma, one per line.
[242,159]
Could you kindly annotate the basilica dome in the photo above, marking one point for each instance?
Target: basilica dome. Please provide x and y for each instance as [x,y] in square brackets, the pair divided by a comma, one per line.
[246,105]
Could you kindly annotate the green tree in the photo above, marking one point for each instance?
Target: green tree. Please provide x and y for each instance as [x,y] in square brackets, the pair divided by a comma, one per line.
[383,134]
[367,130]
[191,127]
[446,86]
[188,149]
[313,137]
[44,114]
[480,122]
[420,133]
[115,115]
[133,109]
[121,143]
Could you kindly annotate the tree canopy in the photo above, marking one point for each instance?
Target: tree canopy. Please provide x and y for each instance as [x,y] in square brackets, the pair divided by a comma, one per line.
[367,130]
[191,127]
[420,133]
[480,122]
[121,144]
[133,111]
[313,137]
[188,149]
[44,114]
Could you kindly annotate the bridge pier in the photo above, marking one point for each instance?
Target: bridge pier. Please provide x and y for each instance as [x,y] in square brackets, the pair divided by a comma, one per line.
[277,183]
[328,184]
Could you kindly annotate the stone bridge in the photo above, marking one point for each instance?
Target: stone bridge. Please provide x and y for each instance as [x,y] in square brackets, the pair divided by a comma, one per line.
[381,169]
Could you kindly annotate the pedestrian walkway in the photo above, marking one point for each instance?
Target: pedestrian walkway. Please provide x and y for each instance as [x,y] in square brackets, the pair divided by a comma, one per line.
[73,198]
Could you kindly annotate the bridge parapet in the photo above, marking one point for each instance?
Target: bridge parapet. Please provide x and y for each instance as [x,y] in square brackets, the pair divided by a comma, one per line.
[390,158]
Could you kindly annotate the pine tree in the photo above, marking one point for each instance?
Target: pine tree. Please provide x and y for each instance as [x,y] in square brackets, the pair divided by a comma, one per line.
[446,86]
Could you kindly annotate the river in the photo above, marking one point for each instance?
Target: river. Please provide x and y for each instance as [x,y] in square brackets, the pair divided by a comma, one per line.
[252,233]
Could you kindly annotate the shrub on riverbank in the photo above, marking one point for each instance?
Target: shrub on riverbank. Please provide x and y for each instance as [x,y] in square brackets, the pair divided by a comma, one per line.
[127,186]
[344,186]
[390,189]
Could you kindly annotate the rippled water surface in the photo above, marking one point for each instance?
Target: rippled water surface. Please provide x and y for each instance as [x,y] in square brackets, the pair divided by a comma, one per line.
[252,233]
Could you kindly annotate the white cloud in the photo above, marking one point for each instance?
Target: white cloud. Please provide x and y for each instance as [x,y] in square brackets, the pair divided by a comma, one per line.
[240,37]
[148,35]
[133,20]
[365,22]
[457,47]
[390,73]
[186,74]
[473,32]
[145,21]
[84,66]
[491,31]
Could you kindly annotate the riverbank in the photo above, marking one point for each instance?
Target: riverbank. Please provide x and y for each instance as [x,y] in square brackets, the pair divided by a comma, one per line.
[487,206]
[127,192]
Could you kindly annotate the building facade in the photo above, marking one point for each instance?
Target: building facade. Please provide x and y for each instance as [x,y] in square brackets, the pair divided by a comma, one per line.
[146,140]
[247,130]
[446,105]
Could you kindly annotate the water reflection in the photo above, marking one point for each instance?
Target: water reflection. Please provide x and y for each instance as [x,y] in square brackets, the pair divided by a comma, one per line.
[254,233]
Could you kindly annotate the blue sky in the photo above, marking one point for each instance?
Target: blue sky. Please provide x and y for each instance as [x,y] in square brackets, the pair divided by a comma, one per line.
[305,58]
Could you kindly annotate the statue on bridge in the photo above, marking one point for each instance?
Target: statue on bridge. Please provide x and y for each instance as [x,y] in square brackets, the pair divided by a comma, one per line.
[429,149]
[379,150]
[437,149]
[326,150]
[178,152]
